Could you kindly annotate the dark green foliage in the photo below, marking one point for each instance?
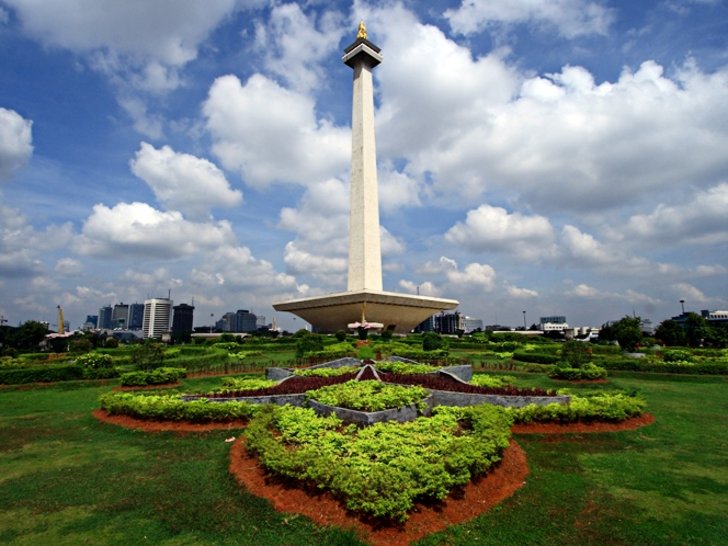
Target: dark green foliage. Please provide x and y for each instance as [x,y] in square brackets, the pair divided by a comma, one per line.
[432,341]
[26,337]
[696,329]
[340,335]
[627,332]
[670,333]
[81,345]
[648,365]
[575,354]
[148,355]
[536,358]
[308,343]
[41,374]
[160,376]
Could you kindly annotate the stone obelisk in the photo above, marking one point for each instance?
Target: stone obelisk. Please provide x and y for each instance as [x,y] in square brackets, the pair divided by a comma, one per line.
[365,255]
[389,310]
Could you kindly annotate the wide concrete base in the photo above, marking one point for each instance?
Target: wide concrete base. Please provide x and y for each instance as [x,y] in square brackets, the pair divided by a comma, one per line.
[400,313]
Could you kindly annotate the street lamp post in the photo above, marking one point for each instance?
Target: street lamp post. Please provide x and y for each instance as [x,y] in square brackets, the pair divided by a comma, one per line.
[212,321]
[524,321]
[682,306]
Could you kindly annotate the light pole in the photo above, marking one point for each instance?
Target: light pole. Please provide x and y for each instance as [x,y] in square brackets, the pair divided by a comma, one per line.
[212,321]
[682,306]
[524,321]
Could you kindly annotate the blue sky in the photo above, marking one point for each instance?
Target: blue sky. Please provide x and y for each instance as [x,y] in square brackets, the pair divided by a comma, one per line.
[562,157]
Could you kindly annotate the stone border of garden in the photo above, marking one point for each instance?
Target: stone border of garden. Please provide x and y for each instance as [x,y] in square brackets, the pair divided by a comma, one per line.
[401,414]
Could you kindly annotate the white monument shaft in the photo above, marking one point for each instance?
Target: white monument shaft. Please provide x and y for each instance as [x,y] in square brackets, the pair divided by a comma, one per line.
[365,256]
[396,312]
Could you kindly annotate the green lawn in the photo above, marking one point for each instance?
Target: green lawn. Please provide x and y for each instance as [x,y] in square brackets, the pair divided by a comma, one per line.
[67,479]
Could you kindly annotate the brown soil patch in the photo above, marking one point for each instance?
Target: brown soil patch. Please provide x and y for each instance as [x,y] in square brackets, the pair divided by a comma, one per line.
[568,428]
[164,426]
[473,500]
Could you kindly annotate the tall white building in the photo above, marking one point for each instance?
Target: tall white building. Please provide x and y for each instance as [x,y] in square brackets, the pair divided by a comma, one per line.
[157,317]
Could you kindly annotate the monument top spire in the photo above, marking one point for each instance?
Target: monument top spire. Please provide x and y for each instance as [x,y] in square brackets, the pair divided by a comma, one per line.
[362,32]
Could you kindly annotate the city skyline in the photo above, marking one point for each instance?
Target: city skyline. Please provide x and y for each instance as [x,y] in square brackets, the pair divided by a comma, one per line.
[563,162]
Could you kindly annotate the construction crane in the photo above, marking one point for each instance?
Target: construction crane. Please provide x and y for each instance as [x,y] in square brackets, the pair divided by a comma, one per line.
[61,328]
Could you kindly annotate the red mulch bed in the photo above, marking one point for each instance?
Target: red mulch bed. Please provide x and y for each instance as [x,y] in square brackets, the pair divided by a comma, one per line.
[164,426]
[474,499]
[570,428]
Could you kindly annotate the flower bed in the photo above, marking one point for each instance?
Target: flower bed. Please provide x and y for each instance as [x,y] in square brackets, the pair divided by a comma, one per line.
[381,470]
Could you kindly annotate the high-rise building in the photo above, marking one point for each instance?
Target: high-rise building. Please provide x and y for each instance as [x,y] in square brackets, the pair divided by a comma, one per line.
[182,319]
[245,321]
[136,316]
[104,321]
[157,315]
[91,322]
[120,316]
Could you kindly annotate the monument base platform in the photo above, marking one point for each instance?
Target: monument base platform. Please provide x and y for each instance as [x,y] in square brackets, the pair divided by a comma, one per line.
[400,313]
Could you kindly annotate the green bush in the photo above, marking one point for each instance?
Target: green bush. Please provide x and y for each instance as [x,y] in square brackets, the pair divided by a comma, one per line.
[587,372]
[383,469]
[326,372]
[173,408]
[369,395]
[160,376]
[575,354]
[677,355]
[484,380]
[392,366]
[95,361]
[536,358]
[40,374]
[600,407]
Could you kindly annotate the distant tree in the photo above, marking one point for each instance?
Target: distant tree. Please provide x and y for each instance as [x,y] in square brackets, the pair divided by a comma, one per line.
[111,343]
[717,336]
[27,336]
[80,345]
[386,335]
[340,335]
[148,355]
[308,343]
[626,331]
[576,353]
[431,341]
[696,329]
[670,333]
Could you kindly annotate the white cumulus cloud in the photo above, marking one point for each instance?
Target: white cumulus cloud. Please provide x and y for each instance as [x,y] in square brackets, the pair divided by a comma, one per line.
[184,182]
[489,228]
[16,142]
[271,134]
[130,230]
[570,18]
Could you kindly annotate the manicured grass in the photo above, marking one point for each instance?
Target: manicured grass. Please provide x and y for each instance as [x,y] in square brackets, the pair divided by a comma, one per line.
[67,479]
[663,484]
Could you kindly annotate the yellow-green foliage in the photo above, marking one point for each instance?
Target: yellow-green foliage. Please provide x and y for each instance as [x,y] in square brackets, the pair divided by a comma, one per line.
[368,395]
[381,470]
[326,372]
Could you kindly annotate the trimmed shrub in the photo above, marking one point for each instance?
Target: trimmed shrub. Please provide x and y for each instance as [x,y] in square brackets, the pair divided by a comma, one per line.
[160,376]
[173,408]
[44,374]
[383,469]
[587,372]
[536,358]
[601,407]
